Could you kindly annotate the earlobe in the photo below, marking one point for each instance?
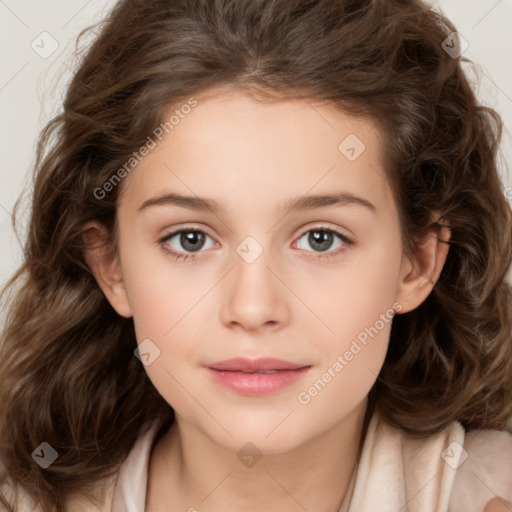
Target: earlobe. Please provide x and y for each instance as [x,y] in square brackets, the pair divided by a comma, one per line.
[104,264]
[420,272]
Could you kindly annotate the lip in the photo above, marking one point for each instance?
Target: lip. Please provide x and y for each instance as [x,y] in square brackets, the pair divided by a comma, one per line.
[247,377]
[261,364]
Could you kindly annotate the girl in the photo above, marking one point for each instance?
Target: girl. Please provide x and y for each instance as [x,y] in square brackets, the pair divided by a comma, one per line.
[265,271]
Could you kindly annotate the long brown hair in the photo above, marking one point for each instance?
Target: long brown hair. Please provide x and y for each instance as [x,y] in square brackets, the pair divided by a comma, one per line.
[68,375]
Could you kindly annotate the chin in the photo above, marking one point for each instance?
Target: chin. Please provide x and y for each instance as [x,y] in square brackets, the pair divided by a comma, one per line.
[279,438]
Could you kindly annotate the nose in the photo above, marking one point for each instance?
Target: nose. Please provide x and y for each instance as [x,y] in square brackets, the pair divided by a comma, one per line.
[254,297]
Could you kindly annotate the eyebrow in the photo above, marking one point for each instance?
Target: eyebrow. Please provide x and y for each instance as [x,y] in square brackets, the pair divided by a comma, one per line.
[301,203]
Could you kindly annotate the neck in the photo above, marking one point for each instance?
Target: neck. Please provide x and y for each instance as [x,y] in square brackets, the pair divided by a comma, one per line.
[189,471]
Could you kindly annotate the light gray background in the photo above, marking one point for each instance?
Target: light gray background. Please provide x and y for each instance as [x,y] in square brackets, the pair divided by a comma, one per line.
[32,83]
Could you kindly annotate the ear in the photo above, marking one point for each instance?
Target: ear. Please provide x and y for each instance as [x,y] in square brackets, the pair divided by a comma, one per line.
[104,264]
[420,272]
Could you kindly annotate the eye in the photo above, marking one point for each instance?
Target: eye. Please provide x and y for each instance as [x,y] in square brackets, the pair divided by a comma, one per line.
[183,243]
[189,240]
[322,239]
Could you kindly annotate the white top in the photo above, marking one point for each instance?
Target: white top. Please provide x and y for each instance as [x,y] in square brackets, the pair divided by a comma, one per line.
[447,472]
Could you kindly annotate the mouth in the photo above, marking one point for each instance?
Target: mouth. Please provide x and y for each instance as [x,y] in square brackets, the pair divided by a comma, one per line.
[260,365]
[256,376]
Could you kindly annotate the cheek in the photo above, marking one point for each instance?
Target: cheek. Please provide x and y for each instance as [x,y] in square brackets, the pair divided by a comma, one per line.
[358,307]
[161,293]
[165,303]
[355,298]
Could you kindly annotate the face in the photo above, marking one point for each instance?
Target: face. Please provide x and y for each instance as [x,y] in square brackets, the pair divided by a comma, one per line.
[265,271]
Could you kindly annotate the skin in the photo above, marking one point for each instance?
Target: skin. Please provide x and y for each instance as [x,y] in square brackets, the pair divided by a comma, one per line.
[289,303]
[498,505]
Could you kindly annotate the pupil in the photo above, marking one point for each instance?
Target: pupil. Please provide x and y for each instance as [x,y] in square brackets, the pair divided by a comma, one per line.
[320,240]
[192,240]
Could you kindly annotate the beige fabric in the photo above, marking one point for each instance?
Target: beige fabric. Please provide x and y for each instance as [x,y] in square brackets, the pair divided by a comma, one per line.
[443,473]
[487,472]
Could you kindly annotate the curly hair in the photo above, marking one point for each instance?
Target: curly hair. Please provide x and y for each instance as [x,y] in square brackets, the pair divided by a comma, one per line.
[68,375]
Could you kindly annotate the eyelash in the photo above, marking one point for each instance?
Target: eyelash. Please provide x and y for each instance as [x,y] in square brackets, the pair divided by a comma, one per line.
[182,257]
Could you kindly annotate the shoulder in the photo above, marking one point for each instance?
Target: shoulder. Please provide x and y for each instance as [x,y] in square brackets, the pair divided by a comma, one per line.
[484,473]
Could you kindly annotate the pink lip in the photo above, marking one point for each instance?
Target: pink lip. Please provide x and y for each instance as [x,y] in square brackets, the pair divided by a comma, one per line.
[245,375]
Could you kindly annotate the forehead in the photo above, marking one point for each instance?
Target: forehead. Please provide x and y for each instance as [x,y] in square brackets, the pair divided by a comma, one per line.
[243,152]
